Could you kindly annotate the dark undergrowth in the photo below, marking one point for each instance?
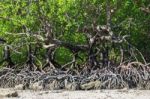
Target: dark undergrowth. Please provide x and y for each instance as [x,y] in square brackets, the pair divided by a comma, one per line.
[133,75]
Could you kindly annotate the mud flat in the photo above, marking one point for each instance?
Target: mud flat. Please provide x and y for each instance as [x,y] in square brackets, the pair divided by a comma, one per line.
[62,94]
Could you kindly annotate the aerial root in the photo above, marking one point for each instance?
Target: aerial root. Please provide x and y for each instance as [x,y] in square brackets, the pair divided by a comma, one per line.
[132,75]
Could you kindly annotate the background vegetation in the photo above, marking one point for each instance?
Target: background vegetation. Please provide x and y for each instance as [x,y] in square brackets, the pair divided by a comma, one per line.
[22,22]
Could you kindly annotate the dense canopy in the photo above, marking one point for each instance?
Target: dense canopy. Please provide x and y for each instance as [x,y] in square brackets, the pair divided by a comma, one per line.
[76,36]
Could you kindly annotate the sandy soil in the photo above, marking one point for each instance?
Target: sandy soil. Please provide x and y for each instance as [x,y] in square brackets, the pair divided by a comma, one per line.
[95,94]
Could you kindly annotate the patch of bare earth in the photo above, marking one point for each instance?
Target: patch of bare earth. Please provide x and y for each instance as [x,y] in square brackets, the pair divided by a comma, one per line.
[62,94]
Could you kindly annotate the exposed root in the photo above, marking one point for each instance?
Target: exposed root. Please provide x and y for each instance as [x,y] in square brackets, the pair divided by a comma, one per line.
[132,75]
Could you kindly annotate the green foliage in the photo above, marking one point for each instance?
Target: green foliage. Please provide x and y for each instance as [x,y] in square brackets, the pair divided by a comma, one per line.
[63,55]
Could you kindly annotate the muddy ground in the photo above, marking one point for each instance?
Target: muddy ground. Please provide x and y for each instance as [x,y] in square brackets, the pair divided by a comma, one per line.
[62,94]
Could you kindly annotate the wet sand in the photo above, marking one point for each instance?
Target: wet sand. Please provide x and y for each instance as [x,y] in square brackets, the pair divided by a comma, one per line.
[62,94]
